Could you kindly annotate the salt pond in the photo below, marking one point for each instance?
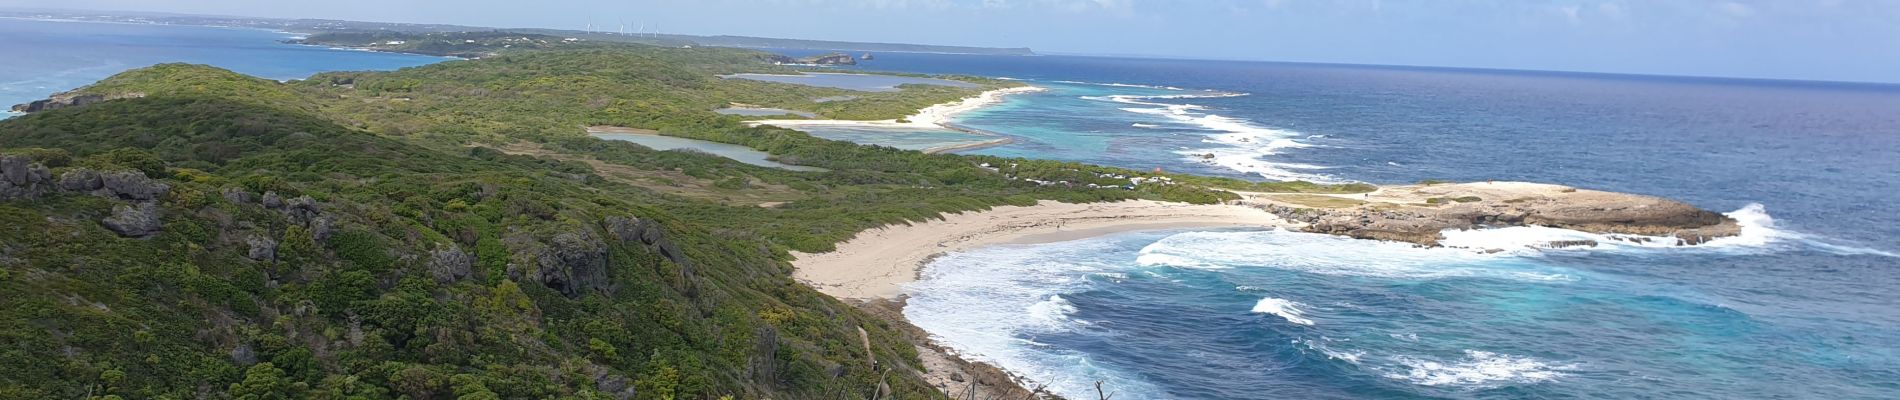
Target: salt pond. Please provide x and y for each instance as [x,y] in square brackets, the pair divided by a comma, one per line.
[657,142]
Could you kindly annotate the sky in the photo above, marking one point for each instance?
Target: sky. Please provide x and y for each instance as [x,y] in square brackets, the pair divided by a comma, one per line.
[1838,40]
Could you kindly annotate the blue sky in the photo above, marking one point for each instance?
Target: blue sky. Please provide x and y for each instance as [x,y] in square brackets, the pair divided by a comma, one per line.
[1848,40]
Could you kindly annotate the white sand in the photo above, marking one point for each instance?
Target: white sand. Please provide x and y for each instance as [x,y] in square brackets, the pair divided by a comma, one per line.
[878,262]
[933,117]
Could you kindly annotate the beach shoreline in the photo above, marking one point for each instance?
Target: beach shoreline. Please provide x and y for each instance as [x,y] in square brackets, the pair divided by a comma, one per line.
[933,117]
[878,262]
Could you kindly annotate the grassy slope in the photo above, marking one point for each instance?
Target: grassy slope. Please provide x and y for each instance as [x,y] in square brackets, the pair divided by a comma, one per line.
[388,158]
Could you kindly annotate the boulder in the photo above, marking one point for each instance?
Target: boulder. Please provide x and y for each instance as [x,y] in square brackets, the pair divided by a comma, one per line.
[134,221]
[262,248]
[272,200]
[572,263]
[81,180]
[450,264]
[14,170]
[20,178]
[237,195]
[132,185]
[321,228]
[303,209]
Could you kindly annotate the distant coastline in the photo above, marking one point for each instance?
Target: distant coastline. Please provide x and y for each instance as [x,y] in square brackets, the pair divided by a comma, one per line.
[933,117]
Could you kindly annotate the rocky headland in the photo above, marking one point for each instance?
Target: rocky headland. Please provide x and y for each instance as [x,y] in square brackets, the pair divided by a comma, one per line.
[1418,213]
[68,99]
[825,59]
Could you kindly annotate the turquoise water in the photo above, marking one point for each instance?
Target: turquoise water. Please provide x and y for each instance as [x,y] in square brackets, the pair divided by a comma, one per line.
[732,151]
[51,57]
[860,82]
[1801,306]
[903,138]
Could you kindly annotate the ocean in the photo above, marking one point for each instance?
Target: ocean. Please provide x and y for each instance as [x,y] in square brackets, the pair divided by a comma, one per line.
[1801,306]
[54,56]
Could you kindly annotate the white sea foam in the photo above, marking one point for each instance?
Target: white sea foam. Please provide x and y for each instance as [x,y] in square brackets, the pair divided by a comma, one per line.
[1284,308]
[1129,85]
[1335,255]
[1477,368]
[991,304]
[1330,352]
[1243,145]
[1053,313]
[1142,125]
[1758,233]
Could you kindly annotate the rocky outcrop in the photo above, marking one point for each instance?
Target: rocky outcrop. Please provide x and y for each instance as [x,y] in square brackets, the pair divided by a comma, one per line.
[81,180]
[132,185]
[21,178]
[69,99]
[261,248]
[631,231]
[236,195]
[1417,214]
[573,263]
[302,209]
[450,264]
[134,221]
[827,59]
[830,59]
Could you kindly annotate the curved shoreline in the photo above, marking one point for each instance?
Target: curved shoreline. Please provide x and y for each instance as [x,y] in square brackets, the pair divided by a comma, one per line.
[878,262]
[933,117]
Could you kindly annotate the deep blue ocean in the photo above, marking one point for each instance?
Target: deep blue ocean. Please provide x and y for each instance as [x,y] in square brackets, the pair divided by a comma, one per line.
[45,57]
[1802,306]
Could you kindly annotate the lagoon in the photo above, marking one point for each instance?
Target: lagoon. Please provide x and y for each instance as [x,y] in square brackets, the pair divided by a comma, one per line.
[663,143]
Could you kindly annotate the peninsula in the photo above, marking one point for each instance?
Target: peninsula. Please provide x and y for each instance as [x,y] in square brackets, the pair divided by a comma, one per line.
[453,229]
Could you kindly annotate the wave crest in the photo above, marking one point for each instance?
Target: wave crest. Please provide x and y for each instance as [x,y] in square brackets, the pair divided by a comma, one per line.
[1283,308]
[1478,368]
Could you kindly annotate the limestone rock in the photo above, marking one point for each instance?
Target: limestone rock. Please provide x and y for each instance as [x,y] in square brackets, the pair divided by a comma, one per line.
[272,200]
[81,180]
[262,248]
[137,221]
[20,178]
[450,264]
[572,263]
[237,195]
[132,185]
[13,170]
[303,209]
[321,228]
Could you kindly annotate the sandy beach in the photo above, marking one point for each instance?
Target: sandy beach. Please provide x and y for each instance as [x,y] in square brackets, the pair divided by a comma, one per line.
[878,262]
[933,117]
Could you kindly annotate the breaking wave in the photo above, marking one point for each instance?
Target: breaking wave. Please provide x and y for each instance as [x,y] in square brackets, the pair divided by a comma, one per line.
[1477,368]
[1242,145]
[1284,309]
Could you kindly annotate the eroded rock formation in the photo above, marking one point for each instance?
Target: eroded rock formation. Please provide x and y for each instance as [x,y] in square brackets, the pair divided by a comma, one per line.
[1417,214]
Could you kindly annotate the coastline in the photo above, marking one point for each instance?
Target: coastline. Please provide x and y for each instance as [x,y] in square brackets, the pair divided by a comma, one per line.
[933,117]
[878,262]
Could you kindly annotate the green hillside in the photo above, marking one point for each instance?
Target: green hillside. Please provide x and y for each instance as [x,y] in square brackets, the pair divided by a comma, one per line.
[449,231]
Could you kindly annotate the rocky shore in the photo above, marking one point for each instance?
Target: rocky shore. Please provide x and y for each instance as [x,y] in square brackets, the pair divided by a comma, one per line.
[1418,213]
[68,99]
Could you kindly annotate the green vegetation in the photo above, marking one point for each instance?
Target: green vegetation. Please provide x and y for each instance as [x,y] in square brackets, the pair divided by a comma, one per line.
[1449,200]
[384,235]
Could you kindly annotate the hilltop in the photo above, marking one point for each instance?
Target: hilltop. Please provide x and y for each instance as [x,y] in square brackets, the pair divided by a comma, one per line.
[451,230]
